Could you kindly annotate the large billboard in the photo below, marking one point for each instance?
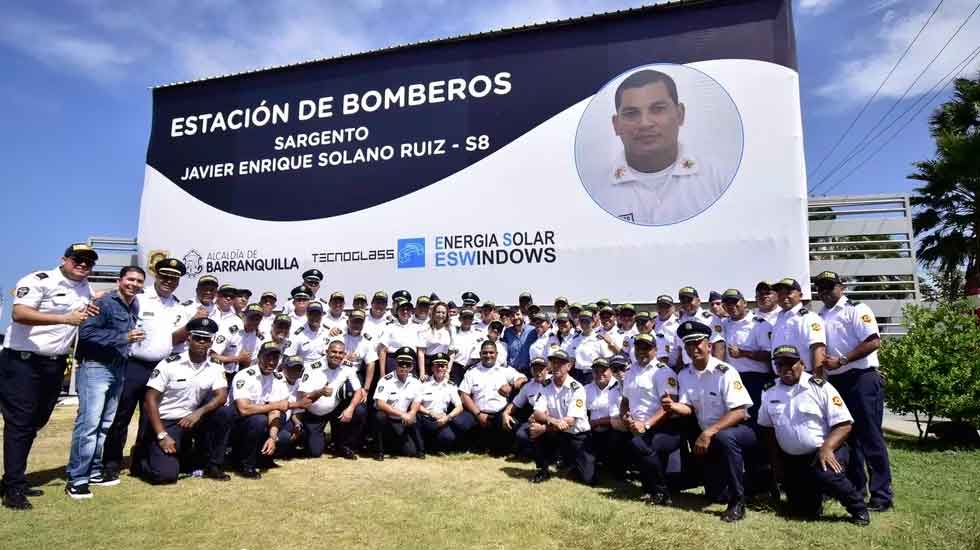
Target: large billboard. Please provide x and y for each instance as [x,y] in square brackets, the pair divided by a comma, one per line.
[621,155]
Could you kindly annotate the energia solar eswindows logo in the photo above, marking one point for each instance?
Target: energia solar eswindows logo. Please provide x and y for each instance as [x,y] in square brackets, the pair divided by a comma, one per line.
[411,253]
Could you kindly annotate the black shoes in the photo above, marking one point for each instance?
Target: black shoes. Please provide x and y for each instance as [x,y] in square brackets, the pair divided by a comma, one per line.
[78,492]
[16,500]
[734,512]
[346,453]
[379,456]
[879,506]
[541,476]
[862,518]
[661,499]
[216,473]
[106,479]
[250,473]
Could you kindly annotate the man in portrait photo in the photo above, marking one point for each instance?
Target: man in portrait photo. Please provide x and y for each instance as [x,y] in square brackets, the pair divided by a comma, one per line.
[655,179]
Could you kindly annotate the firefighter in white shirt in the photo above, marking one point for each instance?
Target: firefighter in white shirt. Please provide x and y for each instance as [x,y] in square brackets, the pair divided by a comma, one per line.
[201,306]
[290,426]
[561,422]
[185,398]
[399,333]
[466,341]
[160,315]
[259,396]
[765,301]
[224,313]
[806,424]
[48,307]
[655,433]
[485,389]
[396,402]
[336,398]
[302,297]
[851,364]
[747,346]
[799,327]
[361,349]
[610,437]
[609,332]
[233,347]
[377,316]
[690,310]
[440,404]
[665,328]
[359,301]
[517,413]
[585,348]
[309,341]
[268,301]
[643,325]
[420,316]
[335,320]
[713,392]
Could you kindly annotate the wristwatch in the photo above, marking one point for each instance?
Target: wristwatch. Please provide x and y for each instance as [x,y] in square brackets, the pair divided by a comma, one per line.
[843,360]
[162,435]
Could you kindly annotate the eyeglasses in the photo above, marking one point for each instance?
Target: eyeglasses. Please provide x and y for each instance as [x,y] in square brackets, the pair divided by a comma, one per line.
[82,261]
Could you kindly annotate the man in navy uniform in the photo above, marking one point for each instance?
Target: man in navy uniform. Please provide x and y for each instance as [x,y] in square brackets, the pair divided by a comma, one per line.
[806,424]
[851,364]
[48,307]
[396,402]
[184,401]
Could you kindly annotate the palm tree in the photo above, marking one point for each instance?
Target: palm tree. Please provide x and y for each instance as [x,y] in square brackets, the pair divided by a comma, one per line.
[949,201]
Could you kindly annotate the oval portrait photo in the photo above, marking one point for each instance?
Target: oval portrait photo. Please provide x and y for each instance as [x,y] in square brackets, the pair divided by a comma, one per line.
[659,144]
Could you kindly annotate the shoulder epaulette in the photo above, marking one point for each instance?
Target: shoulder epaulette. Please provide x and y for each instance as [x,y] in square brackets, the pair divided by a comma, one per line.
[546,382]
[706,314]
[173,357]
[277,375]
[760,320]
[663,365]
[450,383]
[286,343]
[316,365]
[391,322]
[187,302]
[251,372]
[298,331]
[366,337]
[389,376]
[575,385]
[41,275]
[819,382]
[804,311]
[853,303]
[768,385]
[722,368]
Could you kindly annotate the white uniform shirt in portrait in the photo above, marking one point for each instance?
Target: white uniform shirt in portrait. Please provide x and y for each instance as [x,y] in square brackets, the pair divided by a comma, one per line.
[748,334]
[359,350]
[585,349]
[800,328]
[309,344]
[330,322]
[849,324]
[251,384]
[397,394]
[159,318]
[705,318]
[52,293]
[316,378]
[803,414]
[265,325]
[501,351]
[296,320]
[435,340]
[603,402]
[184,385]
[465,341]
[712,392]
[616,334]
[375,327]
[398,335]
[665,332]
[529,393]
[563,401]
[543,346]
[645,385]
[440,398]
[483,384]
[674,194]
[769,316]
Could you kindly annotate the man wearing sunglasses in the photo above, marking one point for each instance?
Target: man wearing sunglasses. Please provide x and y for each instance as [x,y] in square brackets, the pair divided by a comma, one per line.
[48,307]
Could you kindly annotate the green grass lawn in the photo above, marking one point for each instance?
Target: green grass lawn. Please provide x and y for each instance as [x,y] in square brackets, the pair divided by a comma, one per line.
[464,501]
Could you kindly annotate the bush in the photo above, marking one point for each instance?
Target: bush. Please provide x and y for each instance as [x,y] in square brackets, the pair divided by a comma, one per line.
[934,369]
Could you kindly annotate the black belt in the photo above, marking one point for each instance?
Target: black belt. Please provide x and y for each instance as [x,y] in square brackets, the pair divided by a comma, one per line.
[28,355]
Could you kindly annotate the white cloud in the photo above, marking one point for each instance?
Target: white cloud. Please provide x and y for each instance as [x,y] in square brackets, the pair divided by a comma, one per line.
[867,59]
[816,7]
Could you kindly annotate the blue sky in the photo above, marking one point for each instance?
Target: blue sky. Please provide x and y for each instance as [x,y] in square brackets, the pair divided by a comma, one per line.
[75,101]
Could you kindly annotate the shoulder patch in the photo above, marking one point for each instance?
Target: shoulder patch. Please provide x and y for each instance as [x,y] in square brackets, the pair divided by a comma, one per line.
[804,311]
[298,331]
[187,302]
[819,382]
[233,329]
[306,377]
[173,357]
[251,372]
[220,339]
[239,384]
[705,314]
[41,275]
[155,373]
[722,368]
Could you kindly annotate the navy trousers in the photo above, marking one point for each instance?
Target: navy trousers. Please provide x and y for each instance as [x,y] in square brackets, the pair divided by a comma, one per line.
[248,434]
[391,434]
[342,434]
[574,448]
[29,389]
[209,438]
[806,483]
[651,450]
[134,388]
[868,466]
[725,464]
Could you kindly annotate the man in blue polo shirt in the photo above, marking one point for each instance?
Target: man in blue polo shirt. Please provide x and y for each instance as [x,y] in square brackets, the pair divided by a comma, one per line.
[518,338]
